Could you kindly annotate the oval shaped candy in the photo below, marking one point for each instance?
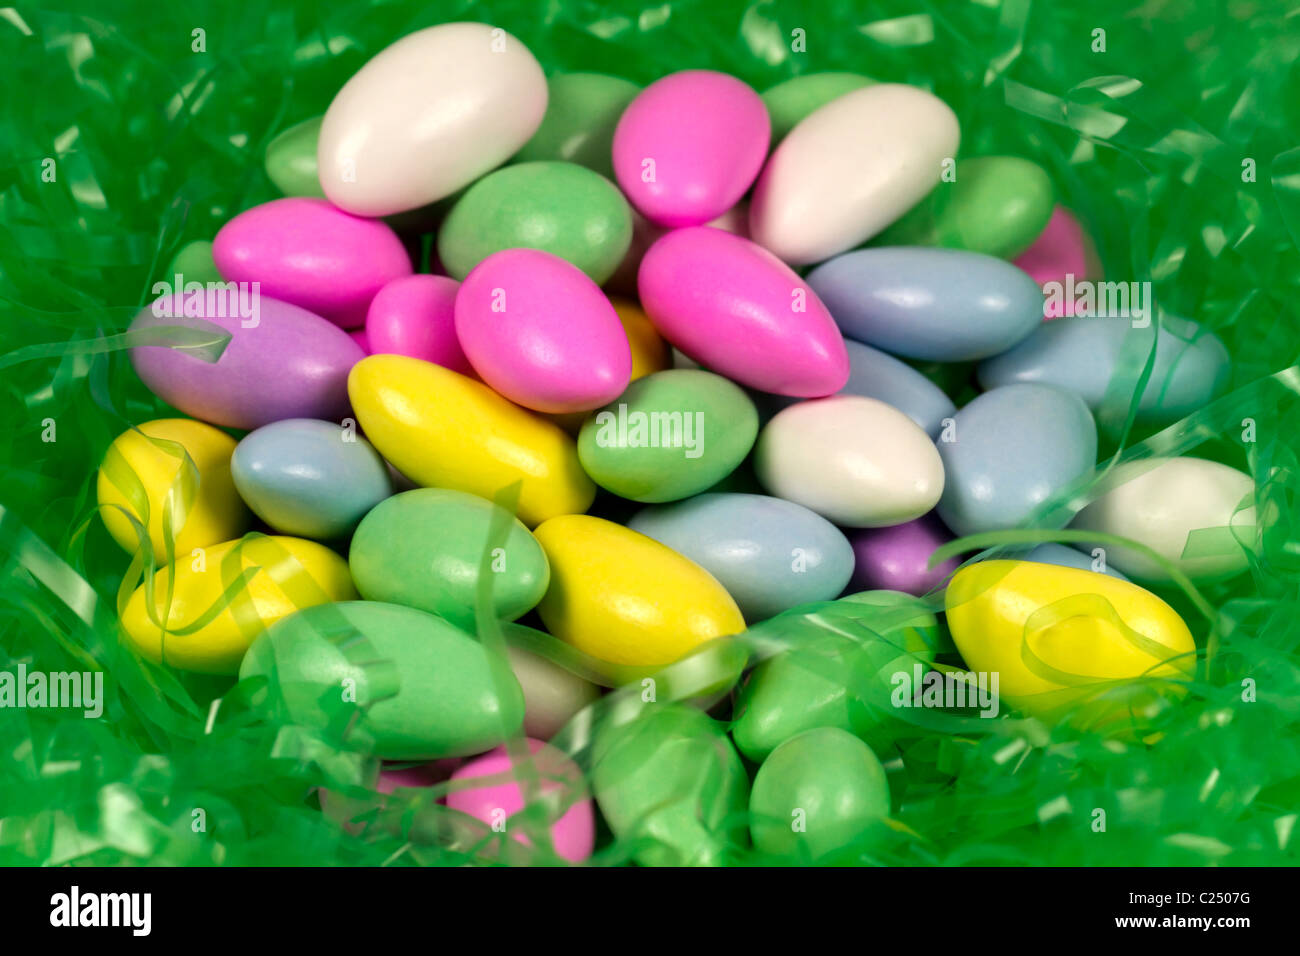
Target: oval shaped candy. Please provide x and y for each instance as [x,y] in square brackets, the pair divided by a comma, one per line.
[424,548]
[309,478]
[839,671]
[541,333]
[734,307]
[997,205]
[828,781]
[671,435]
[559,208]
[897,558]
[416,316]
[1198,514]
[1011,450]
[857,461]
[424,688]
[624,598]
[689,146]
[427,115]
[791,101]
[286,574]
[671,785]
[1084,353]
[216,513]
[306,252]
[291,159]
[582,112]
[572,828]
[850,169]
[281,361]
[769,554]
[943,305]
[1092,628]
[552,695]
[443,429]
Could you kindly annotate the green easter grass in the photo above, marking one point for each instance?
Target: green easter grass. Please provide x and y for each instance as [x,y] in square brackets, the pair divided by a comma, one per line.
[1171,134]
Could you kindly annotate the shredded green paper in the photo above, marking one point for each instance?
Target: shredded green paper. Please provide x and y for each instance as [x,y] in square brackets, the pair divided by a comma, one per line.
[1171,129]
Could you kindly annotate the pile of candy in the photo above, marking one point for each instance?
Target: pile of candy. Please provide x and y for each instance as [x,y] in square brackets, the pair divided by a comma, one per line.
[681,368]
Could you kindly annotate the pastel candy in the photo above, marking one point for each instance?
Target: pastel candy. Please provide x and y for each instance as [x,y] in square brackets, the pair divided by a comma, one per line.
[416,316]
[572,829]
[1049,552]
[307,252]
[624,598]
[1092,629]
[1084,353]
[281,361]
[850,169]
[857,461]
[897,558]
[283,575]
[1196,513]
[552,695]
[442,429]
[424,549]
[155,454]
[291,159]
[423,688]
[1013,448]
[689,146]
[671,785]
[541,333]
[769,554]
[837,672]
[735,308]
[997,205]
[363,341]
[670,435]
[309,478]
[560,208]
[791,101]
[943,305]
[830,781]
[428,115]
[582,113]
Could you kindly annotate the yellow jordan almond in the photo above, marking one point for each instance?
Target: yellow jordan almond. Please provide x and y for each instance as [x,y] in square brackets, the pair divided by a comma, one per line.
[1092,627]
[627,599]
[291,573]
[217,512]
[444,430]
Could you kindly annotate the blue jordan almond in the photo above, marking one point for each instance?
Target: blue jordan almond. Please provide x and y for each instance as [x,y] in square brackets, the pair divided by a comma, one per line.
[1010,450]
[310,478]
[1085,354]
[770,554]
[944,305]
